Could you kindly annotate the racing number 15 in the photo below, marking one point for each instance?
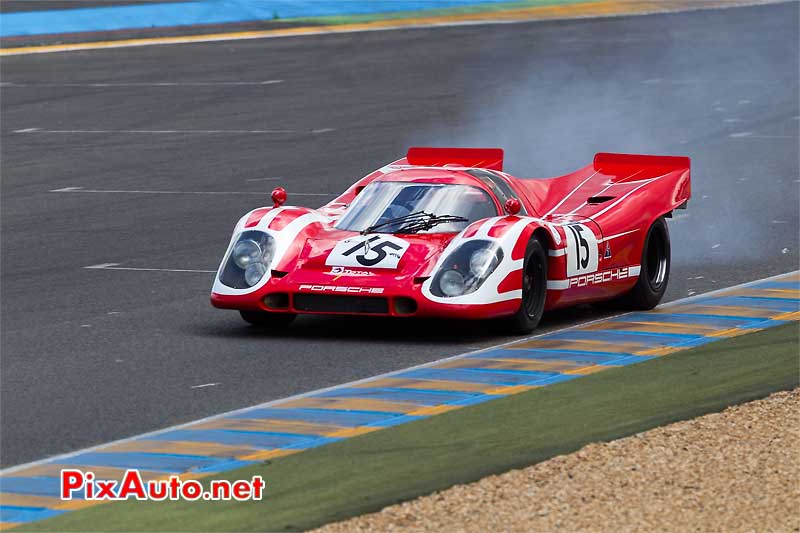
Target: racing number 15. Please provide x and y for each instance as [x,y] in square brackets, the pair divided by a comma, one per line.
[373,251]
[581,250]
[379,249]
[581,259]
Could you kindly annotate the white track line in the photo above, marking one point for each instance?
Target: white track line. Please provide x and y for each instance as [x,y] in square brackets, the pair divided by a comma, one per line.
[654,81]
[113,266]
[11,84]
[204,385]
[171,132]
[751,135]
[270,403]
[120,191]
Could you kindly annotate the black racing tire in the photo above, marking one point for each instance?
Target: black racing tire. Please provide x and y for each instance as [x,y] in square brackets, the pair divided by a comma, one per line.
[534,289]
[654,273]
[265,319]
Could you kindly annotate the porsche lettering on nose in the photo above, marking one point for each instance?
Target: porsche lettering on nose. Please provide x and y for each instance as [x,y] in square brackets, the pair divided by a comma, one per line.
[339,288]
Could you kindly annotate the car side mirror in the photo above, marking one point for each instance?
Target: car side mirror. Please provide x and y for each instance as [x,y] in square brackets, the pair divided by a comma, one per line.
[512,206]
[278,196]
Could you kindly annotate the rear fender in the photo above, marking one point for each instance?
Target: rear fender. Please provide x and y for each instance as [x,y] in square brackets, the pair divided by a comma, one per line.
[656,184]
[665,180]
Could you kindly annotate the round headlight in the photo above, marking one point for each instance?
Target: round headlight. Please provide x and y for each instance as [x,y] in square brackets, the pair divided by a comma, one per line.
[452,283]
[246,252]
[254,272]
[482,261]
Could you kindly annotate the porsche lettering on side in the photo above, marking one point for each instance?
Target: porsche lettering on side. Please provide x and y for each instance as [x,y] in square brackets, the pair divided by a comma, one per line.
[604,277]
[444,232]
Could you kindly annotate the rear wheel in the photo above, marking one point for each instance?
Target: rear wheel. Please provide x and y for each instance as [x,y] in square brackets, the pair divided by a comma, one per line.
[654,273]
[266,319]
[534,289]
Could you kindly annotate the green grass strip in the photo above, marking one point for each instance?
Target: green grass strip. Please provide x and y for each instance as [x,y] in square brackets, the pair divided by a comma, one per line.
[366,473]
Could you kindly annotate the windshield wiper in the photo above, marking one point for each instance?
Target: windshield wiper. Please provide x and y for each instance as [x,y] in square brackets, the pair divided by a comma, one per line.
[411,217]
[429,222]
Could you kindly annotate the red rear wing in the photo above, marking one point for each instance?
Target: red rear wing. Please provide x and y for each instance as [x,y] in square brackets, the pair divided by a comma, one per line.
[603,159]
[489,158]
[626,167]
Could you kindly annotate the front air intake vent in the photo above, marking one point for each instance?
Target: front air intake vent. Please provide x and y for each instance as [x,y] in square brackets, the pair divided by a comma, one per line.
[277,300]
[327,303]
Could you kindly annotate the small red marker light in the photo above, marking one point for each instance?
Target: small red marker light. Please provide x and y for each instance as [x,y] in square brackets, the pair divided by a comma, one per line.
[512,206]
[278,196]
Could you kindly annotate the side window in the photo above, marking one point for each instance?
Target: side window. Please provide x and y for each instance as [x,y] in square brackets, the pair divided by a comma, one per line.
[499,187]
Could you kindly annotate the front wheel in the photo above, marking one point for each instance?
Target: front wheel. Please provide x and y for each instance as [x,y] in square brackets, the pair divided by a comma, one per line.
[534,289]
[266,319]
[654,273]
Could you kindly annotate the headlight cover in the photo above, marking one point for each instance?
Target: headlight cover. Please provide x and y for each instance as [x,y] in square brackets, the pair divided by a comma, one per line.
[465,270]
[246,252]
[249,260]
[452,283]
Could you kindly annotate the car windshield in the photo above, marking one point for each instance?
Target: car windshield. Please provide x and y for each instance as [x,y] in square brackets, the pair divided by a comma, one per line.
[383,201]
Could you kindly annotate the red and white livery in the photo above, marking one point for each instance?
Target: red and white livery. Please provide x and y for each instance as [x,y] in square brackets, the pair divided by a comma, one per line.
[445,232]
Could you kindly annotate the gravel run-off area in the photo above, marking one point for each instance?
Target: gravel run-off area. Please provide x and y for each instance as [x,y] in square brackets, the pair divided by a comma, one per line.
[738,470]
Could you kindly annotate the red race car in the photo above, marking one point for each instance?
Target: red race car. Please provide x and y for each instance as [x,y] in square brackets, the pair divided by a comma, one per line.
[445,232]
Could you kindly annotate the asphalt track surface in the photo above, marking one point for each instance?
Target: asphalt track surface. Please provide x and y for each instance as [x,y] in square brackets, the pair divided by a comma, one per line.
[92,355]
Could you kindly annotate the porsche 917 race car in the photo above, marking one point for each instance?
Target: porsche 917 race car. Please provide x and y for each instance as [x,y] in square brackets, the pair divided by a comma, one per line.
[444,232]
